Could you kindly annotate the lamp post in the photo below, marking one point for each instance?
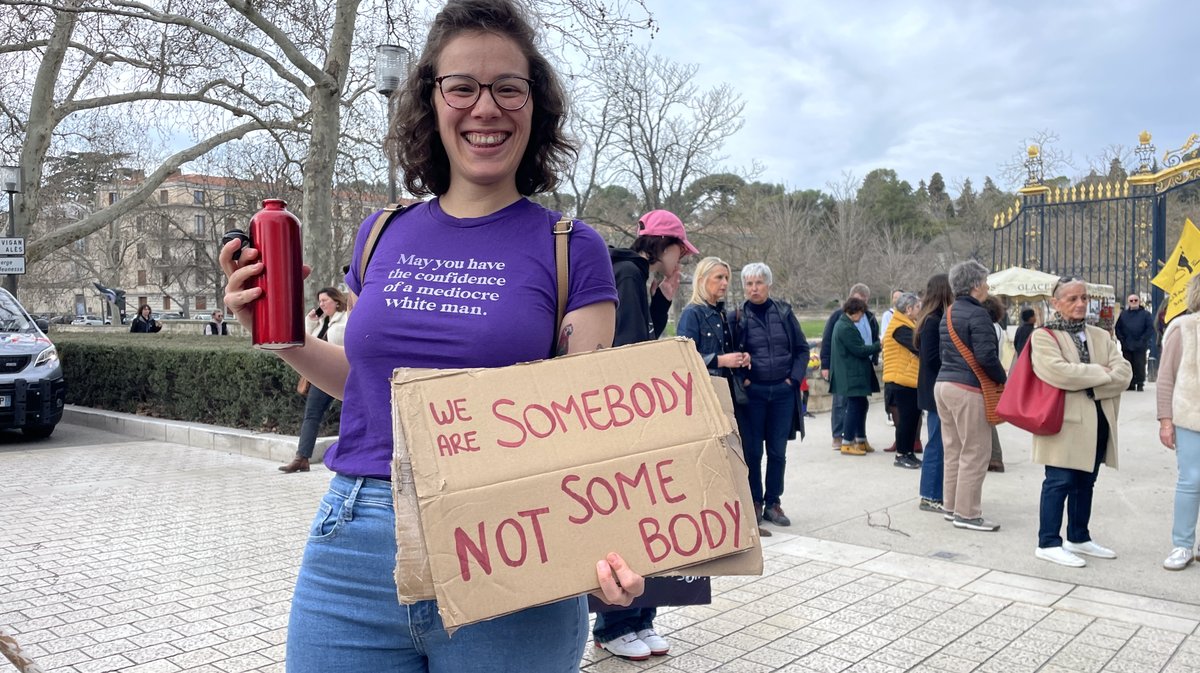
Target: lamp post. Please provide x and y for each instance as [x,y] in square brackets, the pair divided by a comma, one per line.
[391,66]
[12,183]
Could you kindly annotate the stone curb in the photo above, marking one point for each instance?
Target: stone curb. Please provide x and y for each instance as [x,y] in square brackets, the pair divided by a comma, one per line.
[266,445]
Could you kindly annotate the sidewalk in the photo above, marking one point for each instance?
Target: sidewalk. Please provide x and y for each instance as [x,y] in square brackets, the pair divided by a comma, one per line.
[122,553]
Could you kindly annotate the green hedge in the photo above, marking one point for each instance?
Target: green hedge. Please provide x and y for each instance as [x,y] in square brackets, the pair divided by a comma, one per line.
[223,381]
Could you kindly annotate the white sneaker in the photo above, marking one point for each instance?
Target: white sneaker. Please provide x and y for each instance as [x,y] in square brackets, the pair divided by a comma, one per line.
[1060,556]
[1178,559]
[628,646]
[1089,548]
[657,644]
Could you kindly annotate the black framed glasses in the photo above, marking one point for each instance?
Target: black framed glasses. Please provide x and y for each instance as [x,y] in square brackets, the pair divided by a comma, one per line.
[463,91]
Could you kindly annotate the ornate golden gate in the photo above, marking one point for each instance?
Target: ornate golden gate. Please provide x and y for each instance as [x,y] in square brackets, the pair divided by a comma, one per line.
[1105,231]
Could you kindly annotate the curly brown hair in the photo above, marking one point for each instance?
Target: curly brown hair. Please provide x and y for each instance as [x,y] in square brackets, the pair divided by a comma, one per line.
[413,137]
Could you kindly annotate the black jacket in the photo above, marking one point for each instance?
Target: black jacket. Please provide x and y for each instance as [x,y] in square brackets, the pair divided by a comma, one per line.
[1135,329]
[791,362]
[827,335]
[1022,336]
[929,351]
[144,326]
[746,329]
[638,317]
[974,327]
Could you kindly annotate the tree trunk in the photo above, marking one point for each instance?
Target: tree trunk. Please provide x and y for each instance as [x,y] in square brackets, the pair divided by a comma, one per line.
[42,120]
[325,97]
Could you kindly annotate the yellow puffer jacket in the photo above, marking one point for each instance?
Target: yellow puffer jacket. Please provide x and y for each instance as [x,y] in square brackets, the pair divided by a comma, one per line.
[900,365]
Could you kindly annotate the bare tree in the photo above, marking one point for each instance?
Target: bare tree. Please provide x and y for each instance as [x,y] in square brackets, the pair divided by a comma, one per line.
[1054,160]
[654,130]
[222,69]
[844,236]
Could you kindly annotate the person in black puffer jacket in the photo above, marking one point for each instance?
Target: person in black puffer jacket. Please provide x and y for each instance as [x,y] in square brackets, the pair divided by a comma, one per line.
[966,435]
[768,330]
[937,297]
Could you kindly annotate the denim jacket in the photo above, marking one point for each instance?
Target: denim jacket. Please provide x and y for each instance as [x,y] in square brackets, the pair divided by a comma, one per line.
[705,325]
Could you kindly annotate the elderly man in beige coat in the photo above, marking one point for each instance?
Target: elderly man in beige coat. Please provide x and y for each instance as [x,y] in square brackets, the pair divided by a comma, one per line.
[1086,362]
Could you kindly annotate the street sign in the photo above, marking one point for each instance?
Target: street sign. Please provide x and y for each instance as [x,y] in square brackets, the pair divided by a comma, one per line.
[12,246]
[12,266]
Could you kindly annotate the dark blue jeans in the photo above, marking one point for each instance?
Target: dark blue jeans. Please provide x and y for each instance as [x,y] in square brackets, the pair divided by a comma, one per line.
[854,425]
[768,420]
[932,467]
[837,413]
[314,413]
[1074,488]
[616,623]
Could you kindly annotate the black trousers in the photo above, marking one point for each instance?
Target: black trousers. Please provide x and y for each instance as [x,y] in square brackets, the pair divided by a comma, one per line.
[1137,360]
[907,416]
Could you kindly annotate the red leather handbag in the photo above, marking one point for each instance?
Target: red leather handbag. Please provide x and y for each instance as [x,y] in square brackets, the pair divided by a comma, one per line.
[1029,402]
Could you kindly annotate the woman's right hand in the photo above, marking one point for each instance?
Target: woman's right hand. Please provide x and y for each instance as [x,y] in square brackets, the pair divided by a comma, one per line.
[240,290]
[733,360]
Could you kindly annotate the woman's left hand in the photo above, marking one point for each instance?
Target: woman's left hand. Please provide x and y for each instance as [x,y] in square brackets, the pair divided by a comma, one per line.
[619,584]
[1166,434]
[670,284]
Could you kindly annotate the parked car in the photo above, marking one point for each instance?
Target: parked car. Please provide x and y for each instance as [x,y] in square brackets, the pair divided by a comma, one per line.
[32,389]
[89,320]
[171,315]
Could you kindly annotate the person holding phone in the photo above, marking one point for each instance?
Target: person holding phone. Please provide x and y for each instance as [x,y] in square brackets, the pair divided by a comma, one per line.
[326,322]
[143,323]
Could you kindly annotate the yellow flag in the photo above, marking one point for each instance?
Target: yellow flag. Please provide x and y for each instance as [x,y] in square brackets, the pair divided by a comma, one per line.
[1183,263]
[1181,266]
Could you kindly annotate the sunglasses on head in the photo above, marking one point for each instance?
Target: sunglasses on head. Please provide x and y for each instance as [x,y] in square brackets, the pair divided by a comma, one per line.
[1065,280]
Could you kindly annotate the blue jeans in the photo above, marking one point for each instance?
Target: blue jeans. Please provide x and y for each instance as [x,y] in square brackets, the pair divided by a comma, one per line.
[346,618]
[1074,488]
[932,467]
[616,623]
[768,421]
[837,413]
[314,412]
[854,425]
[1187,489]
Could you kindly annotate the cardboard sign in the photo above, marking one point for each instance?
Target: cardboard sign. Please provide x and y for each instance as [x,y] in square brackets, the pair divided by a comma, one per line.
[526,476]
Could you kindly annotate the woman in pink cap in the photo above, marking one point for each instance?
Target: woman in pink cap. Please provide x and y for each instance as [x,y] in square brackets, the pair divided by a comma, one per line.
[642,308]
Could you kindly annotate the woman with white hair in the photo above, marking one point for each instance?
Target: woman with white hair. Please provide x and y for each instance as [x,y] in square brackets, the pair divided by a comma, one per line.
[1085,362]
[901,366]
[1179,422]
[768,330]
[970,361]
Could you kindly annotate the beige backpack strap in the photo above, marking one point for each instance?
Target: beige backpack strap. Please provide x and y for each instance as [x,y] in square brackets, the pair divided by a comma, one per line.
[381,219]
[562,262]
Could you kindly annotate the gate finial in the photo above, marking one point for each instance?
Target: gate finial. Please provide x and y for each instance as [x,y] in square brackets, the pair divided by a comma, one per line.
[1145,154]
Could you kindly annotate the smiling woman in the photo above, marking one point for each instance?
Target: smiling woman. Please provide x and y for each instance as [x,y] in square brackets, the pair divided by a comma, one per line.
[465,280]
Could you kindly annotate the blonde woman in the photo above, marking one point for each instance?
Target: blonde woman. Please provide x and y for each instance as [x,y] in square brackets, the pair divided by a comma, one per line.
[1179,422]
[703,319]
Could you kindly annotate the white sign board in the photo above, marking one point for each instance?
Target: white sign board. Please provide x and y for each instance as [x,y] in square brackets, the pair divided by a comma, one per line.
[12,246]
[12,265]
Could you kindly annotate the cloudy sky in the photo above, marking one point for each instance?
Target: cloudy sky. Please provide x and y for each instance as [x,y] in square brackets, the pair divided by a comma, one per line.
[926,85]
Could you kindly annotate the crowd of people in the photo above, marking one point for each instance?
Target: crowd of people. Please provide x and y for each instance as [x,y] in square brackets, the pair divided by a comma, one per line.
[480,128]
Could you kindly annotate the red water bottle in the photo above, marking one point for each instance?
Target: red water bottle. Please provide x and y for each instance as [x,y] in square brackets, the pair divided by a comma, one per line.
[279,312]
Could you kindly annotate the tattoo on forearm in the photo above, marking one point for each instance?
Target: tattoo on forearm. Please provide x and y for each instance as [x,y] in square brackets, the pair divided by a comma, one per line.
[564,338]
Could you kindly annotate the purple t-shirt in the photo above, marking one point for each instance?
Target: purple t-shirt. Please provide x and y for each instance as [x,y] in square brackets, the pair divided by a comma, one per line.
[443,292]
